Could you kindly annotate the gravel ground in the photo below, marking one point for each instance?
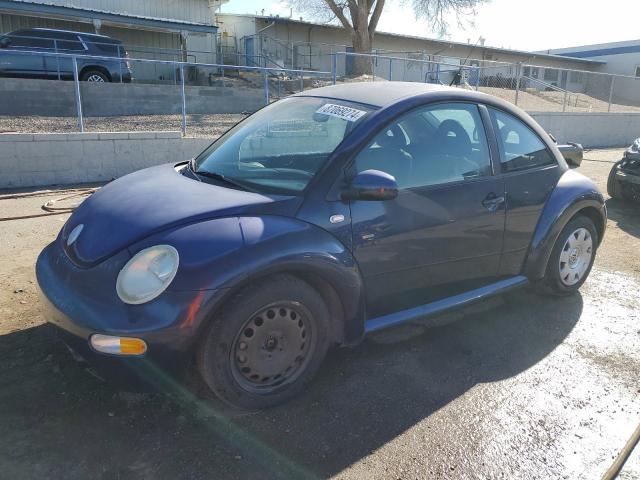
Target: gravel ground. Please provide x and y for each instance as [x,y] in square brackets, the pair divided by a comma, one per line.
[520,386]
[197,125]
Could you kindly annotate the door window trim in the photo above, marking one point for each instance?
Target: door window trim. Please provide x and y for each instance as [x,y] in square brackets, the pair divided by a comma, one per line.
[502,154]
[348,169]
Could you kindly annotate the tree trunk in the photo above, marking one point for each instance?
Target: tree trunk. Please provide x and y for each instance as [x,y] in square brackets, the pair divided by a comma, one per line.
[362,42]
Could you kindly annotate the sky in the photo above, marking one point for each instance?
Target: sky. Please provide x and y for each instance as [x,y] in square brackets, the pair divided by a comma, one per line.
[516,24]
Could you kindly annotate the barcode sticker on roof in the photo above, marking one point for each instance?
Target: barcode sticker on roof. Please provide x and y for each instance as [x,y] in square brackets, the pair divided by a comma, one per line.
[346,113]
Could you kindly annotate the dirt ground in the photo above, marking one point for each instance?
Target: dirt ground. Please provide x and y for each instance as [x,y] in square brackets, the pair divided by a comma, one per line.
[520,386]
[197,125]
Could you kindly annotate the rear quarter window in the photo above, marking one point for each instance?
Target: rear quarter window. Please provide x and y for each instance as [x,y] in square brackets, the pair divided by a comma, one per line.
[520,147]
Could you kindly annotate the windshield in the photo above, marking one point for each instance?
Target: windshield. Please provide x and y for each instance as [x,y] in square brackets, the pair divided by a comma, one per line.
[280,148]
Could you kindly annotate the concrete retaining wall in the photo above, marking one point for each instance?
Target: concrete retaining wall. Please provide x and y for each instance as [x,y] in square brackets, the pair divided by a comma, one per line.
[28,160]
[591,129]
[54,98]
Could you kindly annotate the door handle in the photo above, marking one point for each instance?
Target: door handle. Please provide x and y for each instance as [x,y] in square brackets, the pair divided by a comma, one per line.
[492,202]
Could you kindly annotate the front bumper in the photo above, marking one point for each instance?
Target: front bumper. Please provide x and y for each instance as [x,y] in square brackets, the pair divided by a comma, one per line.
[81,302]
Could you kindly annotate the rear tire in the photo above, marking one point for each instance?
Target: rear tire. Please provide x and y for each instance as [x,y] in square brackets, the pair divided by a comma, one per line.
[571,258]
[94,76]
[613,186]
[266,344]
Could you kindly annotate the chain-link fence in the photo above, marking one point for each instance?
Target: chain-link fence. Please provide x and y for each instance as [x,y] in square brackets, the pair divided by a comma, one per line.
[87,95]
[53,91]
[534,88]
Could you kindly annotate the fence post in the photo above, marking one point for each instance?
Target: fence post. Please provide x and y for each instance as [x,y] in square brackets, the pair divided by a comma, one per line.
[334,66]
[478,73]
[184,101]
[301,82]
[55,49]
[120,62]
[76,80]
[613,80]
[564,101]
[390,68]
[266,87]
[519,76]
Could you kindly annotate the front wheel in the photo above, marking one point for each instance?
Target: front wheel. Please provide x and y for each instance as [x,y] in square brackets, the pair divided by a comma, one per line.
[266,344]
[571,258]
[613,186]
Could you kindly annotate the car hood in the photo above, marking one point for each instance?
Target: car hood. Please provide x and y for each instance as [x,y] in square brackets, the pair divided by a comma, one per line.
[154,199]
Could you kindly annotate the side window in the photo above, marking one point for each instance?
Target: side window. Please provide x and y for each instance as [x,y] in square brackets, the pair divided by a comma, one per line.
[520,147]
[432,145]
[30,40]
[71,43]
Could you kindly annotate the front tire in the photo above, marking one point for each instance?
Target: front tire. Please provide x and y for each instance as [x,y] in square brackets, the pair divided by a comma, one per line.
[266,344]
[613,186]
[571,258]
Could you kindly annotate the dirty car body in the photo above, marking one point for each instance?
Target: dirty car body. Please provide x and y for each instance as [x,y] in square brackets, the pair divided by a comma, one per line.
[333,213]
[624,178]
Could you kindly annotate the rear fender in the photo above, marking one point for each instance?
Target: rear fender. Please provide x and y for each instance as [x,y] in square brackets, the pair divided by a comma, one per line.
[573,193]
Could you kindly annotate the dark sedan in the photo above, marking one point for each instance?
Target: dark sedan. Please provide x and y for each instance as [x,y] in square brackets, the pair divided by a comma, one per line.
[46,53]
[324,216]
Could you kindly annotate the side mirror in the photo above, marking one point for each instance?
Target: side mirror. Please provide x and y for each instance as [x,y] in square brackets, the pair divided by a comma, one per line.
[371,185]
[5,42]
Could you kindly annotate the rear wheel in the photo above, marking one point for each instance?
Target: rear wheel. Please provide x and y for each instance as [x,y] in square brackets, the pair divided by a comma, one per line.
[94,76]
[267,343]
[571,258]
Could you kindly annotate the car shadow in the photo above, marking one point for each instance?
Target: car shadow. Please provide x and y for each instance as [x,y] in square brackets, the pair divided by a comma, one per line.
[625,214]
[77,426]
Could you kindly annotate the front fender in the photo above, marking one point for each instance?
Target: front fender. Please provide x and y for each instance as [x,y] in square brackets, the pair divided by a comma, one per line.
[573,193]
[218,256]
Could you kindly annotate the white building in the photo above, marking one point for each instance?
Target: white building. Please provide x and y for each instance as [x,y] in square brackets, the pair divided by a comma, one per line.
[620,58]
[294,43]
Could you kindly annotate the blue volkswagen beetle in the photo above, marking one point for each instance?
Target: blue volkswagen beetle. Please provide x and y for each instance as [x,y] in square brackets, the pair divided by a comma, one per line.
[333,213]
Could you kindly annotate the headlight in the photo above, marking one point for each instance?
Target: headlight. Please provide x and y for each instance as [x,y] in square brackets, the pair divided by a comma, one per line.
[147,274]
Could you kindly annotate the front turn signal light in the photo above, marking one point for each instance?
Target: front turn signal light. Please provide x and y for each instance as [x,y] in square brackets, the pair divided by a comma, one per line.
[118,345]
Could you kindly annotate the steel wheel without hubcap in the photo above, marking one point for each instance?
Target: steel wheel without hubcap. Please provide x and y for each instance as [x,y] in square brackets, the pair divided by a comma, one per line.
[273,347]
[575,256]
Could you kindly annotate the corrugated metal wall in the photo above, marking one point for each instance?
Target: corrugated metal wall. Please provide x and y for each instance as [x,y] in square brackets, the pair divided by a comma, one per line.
[9,23]
[189,10]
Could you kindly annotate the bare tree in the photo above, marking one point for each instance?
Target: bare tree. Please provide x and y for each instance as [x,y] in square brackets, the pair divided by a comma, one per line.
[360,18]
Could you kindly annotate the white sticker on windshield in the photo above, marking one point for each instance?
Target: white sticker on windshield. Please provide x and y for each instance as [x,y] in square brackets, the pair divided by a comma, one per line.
[346,113]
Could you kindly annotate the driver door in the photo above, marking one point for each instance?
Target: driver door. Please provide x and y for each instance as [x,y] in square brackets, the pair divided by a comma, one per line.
[442,235]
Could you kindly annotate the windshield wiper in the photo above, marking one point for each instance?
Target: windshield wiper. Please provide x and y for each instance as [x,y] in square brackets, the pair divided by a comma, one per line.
[221,177]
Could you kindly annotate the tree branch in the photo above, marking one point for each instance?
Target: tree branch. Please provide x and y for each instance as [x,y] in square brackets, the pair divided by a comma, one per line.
[375,17]
[339,14]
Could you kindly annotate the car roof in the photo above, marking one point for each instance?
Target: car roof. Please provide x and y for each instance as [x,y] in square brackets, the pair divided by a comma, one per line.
[57,30]
[384,93]
[377,94]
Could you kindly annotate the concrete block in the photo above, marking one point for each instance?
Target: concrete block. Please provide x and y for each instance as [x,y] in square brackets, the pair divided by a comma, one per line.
[53,137]
[98,147]
[82,136]
[10,180]
[16,137]
[168,134]
[126,148]
[113,135]
[142,135]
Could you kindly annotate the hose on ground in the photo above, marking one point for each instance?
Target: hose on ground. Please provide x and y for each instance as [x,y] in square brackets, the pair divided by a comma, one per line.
[49,207]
